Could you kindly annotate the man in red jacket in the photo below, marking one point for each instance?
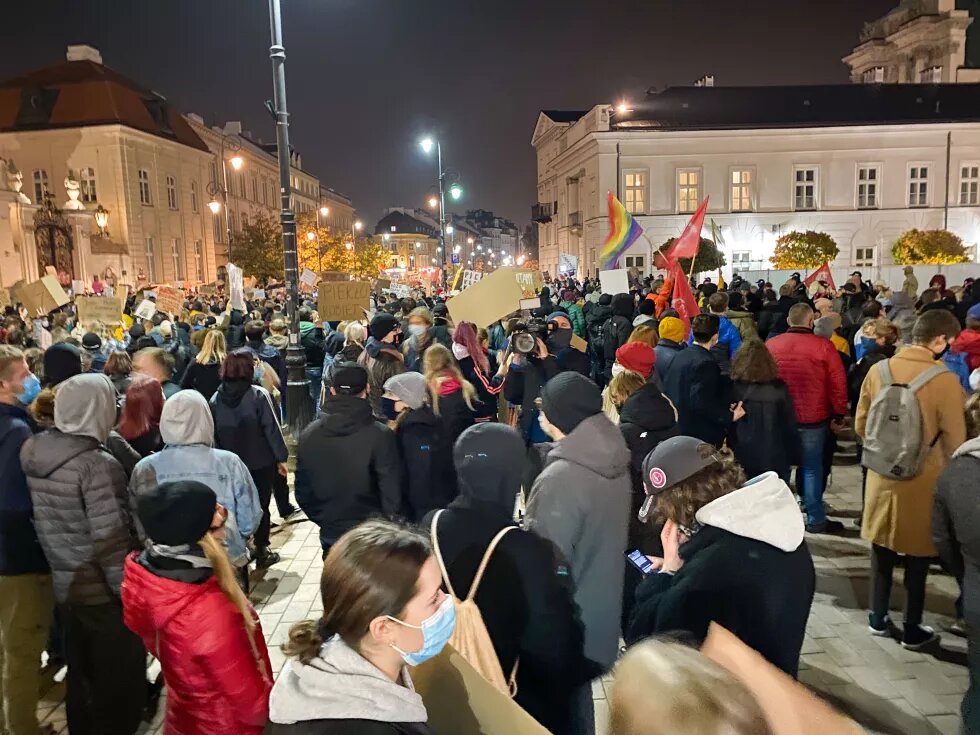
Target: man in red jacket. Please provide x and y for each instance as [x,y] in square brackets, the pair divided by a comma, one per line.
[813,372]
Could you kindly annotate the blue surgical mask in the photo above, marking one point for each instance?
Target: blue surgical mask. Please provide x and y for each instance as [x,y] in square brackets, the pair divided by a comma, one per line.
[388,408]
[259,372]
[416,330]
[436,631]
[30,389]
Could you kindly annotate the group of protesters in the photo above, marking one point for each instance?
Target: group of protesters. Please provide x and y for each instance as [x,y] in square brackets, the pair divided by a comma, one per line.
[602,467]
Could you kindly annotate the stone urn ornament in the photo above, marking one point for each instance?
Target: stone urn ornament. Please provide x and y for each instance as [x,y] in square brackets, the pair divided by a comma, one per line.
[74,189]
[15,180]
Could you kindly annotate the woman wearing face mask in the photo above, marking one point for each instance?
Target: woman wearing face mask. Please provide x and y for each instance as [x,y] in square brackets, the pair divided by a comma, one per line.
[383,608]
[421,336]
[245,423]
[559,345]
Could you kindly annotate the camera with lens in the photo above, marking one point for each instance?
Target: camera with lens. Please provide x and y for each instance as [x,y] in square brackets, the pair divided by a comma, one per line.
[525,335]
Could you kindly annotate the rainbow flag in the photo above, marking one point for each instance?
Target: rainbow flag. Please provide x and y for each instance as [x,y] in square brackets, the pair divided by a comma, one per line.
[623,232]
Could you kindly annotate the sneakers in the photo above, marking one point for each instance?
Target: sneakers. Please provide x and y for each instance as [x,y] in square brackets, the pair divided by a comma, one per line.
[827,526]
[958,627]
[879,625]
[265,558]
[918,637]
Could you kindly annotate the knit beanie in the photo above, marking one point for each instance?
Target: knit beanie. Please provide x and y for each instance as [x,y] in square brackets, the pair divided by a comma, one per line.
[647,307]
[568,399]
[61,361]
[382,325]
[672,328]
[176,513]
[638,357]
[409,387]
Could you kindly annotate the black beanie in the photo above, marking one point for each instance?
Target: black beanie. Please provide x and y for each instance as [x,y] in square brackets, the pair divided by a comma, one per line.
[605,299]
[568,399]
[176,513]
[382,325]
[647,307]
[61,361]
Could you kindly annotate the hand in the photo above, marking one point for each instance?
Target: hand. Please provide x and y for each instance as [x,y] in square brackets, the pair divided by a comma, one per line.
[657,562]
[283,470]
[542,348]
[738,411]
[504,365]
[837,425]
[671,538]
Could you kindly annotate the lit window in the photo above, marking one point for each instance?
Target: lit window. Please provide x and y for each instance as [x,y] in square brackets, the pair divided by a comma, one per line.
[178,257]
[742,190]
[867,187]
[151,261]
[199,260]
[216,225]
[874,75]
[864,257]
[171,192]
[40,185]
[919,186]
[688,190]
[805,188]
[86,178]
[194,202]
[635,198]
[144,182]
[970,184]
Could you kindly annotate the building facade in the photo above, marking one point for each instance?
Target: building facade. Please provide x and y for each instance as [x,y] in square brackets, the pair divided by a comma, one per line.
[340,214]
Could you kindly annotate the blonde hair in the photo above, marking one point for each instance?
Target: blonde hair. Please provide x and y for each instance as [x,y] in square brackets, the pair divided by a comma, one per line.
[644,334]
[355,333]
[664,688]
[624,385]
[213,349]
[435,364]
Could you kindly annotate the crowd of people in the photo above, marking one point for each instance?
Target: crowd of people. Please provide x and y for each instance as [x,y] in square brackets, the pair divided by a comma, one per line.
[599,468]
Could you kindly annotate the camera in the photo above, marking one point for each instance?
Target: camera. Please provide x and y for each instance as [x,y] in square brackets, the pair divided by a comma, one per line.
[525,335]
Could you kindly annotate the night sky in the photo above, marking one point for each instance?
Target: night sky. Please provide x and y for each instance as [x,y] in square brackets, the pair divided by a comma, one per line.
[365,78]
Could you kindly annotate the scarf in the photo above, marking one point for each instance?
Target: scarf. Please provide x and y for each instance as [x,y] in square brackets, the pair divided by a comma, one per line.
[188,553]
[459,351]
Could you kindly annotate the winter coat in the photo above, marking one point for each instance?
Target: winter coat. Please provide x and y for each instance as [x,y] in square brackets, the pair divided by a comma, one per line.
[235,331]
[765,439]
[204,378]
[81,508]
[666,350]
[581,503]
[245,423]
[595,319]
[576,316]
[312,340]
[20,550]
[729,340]
[415,347]
[218,682]
[455,415]
[271,357]
[488,386]
[700,392]
[347,468]
[748,569]
[426,451]
[187,429]
[121,383]
[897,512]
[744,322]
[859,371]
[341,693]
[144,444]
[772,318]
[968,342]
[616,330]
[382,361]
[910,286]
[814,374]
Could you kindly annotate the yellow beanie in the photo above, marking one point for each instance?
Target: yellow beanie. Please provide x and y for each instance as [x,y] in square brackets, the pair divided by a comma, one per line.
[672,328]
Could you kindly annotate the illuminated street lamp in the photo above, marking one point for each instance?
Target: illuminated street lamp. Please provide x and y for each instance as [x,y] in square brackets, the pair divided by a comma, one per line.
[433,201]
[214,205]
[219,190]
[237,162]
[102,220]
[455,191]
[311,236]
[324,211]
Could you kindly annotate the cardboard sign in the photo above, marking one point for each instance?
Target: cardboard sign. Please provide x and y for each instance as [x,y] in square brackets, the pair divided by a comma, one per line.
[77,287]
[344,301]
[381,284]
[236,287]
[250,281]
[258,294]
[44,296]
[531,282]
[578,343]
[50,270]
[401,290]
[614,282]
[307,277]
[488,300]
[333,276]
[146,309]
[169,300]
[207,289]
[530,304]
[567,264]
[469,278]
[105,309]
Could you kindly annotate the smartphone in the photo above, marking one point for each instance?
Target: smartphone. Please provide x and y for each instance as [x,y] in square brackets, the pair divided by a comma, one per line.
[640,561]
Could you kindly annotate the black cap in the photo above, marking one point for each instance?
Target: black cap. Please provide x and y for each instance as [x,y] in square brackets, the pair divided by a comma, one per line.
[176,513]
[350,379]
[382,325]
[674,460]
[91,342]
[568,399]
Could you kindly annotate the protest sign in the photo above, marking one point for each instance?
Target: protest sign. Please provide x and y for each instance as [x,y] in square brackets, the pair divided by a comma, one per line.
[207,289]
[258,294]
[105,309]
[146,309]
[578,343]
[469,278]
[333,276]
[343,300]
[307,277]
[614,282]
[567,264]
[530,304]
[401,290]
[531,282]
[77,287]
[50,271]
[487,300]
[250,281]
[236,287]
[169,300]
[42,297]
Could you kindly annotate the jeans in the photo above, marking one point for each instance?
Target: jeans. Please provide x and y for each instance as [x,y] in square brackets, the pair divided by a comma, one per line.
[883,563]
[315,376]
[812,442]
[26,605]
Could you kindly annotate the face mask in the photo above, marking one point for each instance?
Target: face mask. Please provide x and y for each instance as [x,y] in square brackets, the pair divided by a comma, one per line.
[436,631]
[560,339]
[259,372]
[30,389]
[942,354]
[416,330]
[388,408]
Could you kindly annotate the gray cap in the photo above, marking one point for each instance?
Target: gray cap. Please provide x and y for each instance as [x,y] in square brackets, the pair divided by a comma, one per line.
[409,387]
[674,460]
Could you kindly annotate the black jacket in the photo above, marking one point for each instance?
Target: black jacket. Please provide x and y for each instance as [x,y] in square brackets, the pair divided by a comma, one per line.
[347,468]
[312,340]
[772,318]
[666,350]
[245,423]
[596,315]
[205,379]
[20,551]
[382,361]
[235,331]
[701,394]
[429,480]
[456,416]
[860,369]
[347,727]
[616,330]
[488,386]
[524,384]
[765,439]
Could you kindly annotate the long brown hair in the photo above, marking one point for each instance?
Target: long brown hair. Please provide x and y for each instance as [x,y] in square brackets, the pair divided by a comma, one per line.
[753,363]
[372,570]
[438,366]
[643,333]
[144,404]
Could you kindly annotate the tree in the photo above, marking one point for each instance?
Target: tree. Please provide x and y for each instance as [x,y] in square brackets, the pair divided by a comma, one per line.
[934,247]
[529,245]
[803,250]
[257,248]
[331,251]
[708,258]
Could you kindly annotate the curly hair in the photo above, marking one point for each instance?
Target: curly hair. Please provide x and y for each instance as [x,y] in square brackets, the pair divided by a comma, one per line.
[754,363]
[681,502]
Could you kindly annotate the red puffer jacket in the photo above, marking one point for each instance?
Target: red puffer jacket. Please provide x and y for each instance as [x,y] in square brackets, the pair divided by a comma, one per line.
[969,342]
[813,372]
[217,682]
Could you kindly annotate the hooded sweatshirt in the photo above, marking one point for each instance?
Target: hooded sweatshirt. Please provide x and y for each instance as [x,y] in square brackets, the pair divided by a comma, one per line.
[187,430]
[747,568]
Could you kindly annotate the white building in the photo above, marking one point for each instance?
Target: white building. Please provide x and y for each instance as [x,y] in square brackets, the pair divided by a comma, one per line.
[862,163]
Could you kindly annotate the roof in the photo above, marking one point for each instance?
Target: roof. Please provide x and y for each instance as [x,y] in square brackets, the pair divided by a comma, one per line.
[405,224]
[565,116]
[711,108]
[75,94]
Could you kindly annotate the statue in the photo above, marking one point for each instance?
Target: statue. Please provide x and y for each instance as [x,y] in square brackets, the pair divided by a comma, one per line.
[15,180]
[74,189]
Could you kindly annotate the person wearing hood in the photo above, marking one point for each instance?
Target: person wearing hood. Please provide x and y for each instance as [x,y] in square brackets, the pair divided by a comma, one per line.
[902,315]
[312,340]
[545,298]
[478,366]
[347,463]
[187,429]
[381,358]
[422,335]
[524,596]
[84,523]
[910,286]
[968,341]
[734,554]
[616,331]
[235,331]
[596,317]
[245,424]
[569,302]
[581,503]
[423,443]
[254,334]
[181,597]
[383,611]
[672,339]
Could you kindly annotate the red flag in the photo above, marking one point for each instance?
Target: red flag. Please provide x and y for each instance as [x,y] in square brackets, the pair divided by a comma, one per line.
[683,300]
[821,274]
[685,246]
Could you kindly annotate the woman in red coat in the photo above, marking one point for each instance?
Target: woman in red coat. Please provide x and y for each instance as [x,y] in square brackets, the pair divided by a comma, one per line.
[181,597]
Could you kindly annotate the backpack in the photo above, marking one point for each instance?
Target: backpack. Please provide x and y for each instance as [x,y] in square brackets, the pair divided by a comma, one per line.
[893,443]
[470,637]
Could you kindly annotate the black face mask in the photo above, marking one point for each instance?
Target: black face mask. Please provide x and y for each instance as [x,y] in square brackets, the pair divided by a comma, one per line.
[559,339]
[942,354]
[388,408]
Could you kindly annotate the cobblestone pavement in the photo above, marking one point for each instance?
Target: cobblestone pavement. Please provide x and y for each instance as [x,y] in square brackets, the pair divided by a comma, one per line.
[886,688]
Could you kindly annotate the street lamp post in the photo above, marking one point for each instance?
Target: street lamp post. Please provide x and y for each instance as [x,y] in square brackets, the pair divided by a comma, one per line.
[455,191]
[233,144]
[299,405]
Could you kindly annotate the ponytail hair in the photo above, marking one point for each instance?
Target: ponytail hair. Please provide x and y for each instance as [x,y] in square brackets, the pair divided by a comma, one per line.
[439,365]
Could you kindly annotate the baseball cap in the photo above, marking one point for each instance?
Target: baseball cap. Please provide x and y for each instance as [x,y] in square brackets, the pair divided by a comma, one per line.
[350,379]
[674,460]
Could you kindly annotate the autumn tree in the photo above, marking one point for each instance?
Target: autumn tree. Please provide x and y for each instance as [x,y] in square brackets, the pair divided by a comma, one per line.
[257,248]
[934,247]
[321,248]
[803,250]
[708,258]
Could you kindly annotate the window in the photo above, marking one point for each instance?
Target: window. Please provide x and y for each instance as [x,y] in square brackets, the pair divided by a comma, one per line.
[931,75]
[178,257]
[919,186]
[144,183]
[874,75]
[635,261]
[742,190]
[171,192]
[216,225]
[969,183]
[688,190]
[805,188]
[636,193]
[151,261]
[867,188]
[741,257]
[244,220]
[265,192]
[411,262]
[86,177]
[255,189]
[40,185]
[864,257]
[198,260]
[194,202]
[241,185]
[231,223]
[214,172]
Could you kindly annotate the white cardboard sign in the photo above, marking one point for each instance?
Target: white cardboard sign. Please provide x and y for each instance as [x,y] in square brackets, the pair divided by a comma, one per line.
[614,282]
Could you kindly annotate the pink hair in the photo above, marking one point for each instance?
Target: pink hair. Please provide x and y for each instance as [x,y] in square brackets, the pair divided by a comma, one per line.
[465,335]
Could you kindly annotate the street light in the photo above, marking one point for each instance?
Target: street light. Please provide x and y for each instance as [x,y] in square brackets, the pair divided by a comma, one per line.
[237,162]
[427,144]
[102,220]
[455,191]
[219,191]
[449,230]
[311,236]
[214,205]
[324,211]
[433,201]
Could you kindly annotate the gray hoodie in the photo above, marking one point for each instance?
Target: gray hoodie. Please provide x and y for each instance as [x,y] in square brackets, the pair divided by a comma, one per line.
[340,684]
[581,503]
[956,523]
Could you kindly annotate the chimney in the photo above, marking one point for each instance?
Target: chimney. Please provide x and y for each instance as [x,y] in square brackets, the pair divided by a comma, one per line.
[233,127]
[708,80]
[84,52]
